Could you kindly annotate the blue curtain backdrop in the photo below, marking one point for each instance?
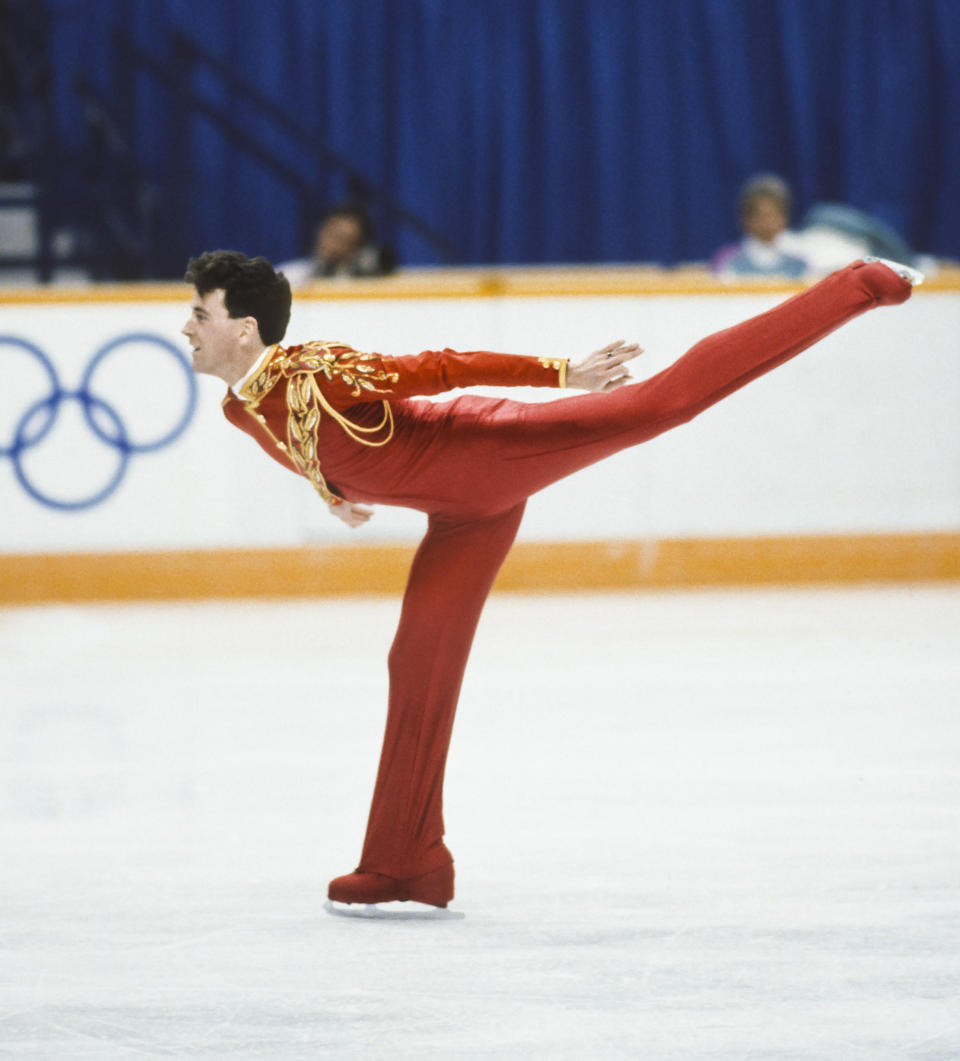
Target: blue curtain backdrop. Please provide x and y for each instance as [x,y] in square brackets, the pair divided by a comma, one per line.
[535,130]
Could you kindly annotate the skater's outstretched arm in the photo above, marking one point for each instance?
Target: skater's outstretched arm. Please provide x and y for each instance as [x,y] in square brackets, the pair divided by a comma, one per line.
[603,370]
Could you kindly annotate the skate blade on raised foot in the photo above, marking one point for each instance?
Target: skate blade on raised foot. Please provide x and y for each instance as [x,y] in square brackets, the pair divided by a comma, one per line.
[392,912]
[913,276]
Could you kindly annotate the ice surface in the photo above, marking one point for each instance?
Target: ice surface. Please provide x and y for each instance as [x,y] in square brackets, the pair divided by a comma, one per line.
[686,826]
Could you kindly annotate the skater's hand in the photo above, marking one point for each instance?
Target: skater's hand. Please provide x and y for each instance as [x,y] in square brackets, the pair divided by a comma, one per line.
[603,370]
[351,514]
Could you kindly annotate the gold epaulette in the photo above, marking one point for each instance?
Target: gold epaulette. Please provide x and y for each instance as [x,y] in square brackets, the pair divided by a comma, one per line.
[361,372]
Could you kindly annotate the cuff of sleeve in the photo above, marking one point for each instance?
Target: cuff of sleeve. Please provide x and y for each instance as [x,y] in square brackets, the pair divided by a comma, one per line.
[559,364]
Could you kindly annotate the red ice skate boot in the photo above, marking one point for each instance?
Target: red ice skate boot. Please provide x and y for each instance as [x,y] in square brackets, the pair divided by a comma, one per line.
[890,281]
[434,888]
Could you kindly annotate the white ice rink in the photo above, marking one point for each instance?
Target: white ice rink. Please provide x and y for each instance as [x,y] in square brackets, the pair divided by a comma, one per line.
[686,826]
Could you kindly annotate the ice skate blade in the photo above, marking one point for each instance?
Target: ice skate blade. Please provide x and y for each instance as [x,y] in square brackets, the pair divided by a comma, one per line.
[392,912]
[913,276]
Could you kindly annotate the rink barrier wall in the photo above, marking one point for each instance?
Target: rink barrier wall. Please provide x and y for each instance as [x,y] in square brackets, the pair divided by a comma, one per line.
[531,567]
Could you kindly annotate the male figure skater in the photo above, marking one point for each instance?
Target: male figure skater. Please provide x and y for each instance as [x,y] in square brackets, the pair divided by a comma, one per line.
[349,422]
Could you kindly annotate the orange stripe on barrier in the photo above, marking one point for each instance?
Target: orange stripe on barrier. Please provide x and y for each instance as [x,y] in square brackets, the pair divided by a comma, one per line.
[688,562]
[532,567]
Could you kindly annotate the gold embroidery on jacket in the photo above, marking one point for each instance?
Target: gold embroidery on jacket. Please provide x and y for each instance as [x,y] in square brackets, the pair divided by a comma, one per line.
[305,400]
[264,381]
[361,372]
[303,417]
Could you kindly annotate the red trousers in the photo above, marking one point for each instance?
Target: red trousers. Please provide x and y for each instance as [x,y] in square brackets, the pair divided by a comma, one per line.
[503,453]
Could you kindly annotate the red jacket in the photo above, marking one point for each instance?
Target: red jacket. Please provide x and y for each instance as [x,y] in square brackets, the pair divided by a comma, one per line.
[297,388]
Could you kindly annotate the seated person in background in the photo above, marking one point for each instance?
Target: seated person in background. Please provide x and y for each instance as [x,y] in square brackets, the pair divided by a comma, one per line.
[343,246]
[768,246]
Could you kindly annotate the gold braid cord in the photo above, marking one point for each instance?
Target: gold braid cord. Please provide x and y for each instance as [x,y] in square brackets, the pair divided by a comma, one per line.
[306,402]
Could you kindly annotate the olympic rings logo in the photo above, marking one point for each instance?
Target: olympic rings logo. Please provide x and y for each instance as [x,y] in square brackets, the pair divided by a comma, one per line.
[100,416]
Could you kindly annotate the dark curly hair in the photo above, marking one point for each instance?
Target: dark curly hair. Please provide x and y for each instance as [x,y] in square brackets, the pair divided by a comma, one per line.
[251,288]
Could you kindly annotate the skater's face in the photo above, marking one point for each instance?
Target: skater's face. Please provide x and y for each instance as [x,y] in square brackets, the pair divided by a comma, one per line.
[223,346]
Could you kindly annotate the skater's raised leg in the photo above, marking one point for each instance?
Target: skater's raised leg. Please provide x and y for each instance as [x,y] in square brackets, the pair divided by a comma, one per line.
[547,441]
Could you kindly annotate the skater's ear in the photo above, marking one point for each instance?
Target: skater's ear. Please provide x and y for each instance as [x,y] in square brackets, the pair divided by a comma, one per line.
[249,332]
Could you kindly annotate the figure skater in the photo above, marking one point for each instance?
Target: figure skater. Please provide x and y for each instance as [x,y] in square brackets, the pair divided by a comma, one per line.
[350,423]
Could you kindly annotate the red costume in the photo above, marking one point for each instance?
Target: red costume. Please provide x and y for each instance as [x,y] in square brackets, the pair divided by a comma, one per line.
[350,423]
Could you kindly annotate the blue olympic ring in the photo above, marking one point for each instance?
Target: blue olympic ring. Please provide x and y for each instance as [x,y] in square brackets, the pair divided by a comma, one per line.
[38,419]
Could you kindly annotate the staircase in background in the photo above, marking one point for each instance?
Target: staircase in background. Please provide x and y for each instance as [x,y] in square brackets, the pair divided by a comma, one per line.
[95,211]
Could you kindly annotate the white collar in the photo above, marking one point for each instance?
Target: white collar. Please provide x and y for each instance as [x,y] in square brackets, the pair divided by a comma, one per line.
[253,371]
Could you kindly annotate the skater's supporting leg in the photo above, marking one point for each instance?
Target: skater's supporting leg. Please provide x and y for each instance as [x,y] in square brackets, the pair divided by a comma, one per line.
[449,581]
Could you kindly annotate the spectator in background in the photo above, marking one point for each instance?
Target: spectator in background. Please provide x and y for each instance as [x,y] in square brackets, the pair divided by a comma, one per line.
[830,235]
[343,246]
[768,247]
